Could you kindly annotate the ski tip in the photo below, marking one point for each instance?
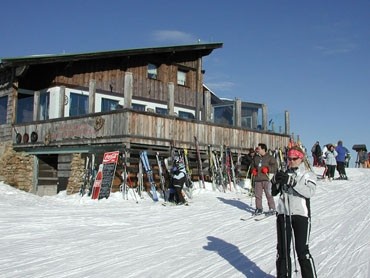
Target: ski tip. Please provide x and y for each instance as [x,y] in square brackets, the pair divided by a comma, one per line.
[245,218]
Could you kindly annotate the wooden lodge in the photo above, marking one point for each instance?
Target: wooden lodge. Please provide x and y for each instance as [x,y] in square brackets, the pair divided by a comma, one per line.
[57,109]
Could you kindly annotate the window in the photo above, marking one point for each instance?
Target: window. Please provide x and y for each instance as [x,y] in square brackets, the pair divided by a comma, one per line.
[78,104]
[44,106]
[3,109]
[109,105]
[24,108]
[162,111]
[181,77]
[152,71]
[247,121]
[224,114]
[138,107]
[186,115]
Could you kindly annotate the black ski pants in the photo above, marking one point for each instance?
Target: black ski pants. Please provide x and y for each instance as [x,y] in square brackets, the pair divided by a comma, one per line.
[341,169]
[331,171]
[301,227]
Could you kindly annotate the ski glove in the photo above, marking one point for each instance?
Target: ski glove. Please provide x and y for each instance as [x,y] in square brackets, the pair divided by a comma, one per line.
[265,170]
[285,179]
[254,172]
[281,177]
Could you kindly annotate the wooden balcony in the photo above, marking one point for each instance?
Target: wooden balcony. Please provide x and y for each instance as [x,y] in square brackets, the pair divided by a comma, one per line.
[108,131]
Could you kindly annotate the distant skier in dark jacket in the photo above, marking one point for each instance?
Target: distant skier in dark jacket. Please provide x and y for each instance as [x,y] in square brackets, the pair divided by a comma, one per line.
[296,186]
[316,154]
[341,160]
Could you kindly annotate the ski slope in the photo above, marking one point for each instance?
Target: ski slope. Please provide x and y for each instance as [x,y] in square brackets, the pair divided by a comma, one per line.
[70,236]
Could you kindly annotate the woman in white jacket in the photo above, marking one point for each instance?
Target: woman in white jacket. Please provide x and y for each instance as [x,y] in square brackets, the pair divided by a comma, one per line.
[296,186]
[330,161]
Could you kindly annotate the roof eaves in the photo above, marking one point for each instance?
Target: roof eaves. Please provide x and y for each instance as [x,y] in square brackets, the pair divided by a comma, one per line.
[50,58]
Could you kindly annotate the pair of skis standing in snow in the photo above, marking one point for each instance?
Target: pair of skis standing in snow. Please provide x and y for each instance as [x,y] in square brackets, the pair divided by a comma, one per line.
[295,186]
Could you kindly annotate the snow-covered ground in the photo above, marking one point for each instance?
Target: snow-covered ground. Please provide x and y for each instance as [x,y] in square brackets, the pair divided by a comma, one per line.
[70,236]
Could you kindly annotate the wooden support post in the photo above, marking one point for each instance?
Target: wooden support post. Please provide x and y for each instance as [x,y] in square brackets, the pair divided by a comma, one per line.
[171,99]
[128,89]
[92,93]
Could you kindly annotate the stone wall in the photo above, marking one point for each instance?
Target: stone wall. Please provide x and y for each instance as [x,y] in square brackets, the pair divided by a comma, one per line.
[76,178]
[16,168]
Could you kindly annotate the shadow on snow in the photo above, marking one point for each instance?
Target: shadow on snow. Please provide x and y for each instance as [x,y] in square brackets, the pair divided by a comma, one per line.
[232,254]
[238,204]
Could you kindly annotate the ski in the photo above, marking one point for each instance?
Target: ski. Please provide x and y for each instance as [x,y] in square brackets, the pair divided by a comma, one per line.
[199,158]
[161,176]
[282,164]
[212,167]
[89,175]
[171,204]
[93,173]
[218,179]
[238,173]
[86,177]
[227,166]
[126,184]
[222,169]
[140,180]
[246,218]
[188,183]
[168,204]
[263,216]
[258,217]
[149,173]
[95,190]
[232,168]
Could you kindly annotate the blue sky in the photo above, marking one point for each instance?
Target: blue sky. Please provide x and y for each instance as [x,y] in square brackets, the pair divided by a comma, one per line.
[311,58]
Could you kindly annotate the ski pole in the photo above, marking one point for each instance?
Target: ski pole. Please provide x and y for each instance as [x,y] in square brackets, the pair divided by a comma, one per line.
[293,238]
[252,189]
[132,189]
[286,234]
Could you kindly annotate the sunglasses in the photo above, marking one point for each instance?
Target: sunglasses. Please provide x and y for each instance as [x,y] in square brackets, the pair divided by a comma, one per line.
[293,158]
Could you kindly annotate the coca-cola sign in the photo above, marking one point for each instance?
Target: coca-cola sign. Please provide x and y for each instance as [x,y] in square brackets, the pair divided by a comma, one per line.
[111,157]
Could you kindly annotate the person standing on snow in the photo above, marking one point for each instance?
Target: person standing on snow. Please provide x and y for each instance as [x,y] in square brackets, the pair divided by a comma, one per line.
[330,161]
[316,154]
[341,160]
[263,164]
[296,186]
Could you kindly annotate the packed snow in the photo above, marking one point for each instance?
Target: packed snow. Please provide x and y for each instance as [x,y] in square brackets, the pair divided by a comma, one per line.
[74,236]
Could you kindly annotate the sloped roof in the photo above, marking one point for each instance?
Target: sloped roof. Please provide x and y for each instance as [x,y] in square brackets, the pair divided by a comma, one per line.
[203,49]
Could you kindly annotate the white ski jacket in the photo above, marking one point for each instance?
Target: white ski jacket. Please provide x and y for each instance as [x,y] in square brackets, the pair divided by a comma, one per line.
[297,198]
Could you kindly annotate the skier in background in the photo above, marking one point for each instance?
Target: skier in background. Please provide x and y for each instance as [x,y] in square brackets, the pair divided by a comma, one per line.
[316,154]
[296,186]
[263,165]
[341,160]
[362,157]
[330,161]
